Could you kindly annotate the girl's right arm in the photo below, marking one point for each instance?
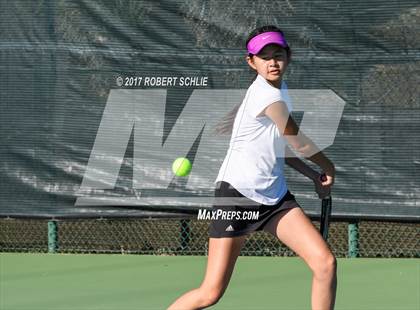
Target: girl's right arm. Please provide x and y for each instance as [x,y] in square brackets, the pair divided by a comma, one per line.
[279,114]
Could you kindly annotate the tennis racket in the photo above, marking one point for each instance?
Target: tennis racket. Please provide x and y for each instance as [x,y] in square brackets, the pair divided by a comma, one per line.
[326,206]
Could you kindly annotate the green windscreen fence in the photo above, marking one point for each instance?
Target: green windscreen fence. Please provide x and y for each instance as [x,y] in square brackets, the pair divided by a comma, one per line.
[98,98]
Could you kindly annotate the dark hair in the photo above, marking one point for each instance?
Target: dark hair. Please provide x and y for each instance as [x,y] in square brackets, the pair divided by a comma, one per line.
[268,28]
[225,126]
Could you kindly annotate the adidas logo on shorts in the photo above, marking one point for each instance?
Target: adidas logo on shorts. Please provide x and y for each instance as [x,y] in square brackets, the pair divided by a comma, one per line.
[229,228]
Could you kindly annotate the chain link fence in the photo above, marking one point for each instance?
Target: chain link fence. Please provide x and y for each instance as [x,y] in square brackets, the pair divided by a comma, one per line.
[189,236]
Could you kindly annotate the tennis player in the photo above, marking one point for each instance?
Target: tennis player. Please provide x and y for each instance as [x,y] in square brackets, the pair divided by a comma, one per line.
[261,128]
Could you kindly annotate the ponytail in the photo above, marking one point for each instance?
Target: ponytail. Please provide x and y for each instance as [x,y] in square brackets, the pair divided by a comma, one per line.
[225,126]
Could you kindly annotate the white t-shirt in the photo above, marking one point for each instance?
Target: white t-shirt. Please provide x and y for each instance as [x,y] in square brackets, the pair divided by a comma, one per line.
[255,159]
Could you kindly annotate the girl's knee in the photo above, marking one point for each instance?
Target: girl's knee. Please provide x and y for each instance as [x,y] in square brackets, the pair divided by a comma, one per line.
[324,266]
[210,295]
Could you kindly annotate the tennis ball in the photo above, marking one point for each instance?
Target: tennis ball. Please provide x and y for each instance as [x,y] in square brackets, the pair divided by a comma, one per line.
[181,167]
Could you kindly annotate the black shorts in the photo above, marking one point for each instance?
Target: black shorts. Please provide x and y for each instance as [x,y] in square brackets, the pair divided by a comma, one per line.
[243,222]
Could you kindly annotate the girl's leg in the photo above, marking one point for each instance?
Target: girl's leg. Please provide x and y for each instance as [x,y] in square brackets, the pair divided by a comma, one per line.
[296,231]
[222,256]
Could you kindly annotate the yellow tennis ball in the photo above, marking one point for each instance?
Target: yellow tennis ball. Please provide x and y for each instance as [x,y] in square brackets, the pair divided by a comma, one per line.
[181,167]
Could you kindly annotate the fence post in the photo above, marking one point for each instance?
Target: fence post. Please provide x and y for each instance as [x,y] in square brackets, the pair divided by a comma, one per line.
[52,237]
[353,239]
[185,233]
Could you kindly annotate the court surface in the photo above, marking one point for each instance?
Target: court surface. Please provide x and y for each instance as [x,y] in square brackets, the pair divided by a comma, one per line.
[70,282]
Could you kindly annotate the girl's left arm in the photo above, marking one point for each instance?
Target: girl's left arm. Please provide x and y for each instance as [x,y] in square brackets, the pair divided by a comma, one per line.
[307,171]
[300,166]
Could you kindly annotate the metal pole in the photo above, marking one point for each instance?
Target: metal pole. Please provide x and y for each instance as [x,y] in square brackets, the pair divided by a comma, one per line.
[185,233]
[354,239]
[52,237]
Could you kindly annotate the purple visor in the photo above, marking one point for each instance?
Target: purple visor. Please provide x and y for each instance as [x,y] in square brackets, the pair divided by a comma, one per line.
[258,42]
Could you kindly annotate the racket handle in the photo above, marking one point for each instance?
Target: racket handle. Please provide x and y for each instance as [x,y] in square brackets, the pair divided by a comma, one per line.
[325,216]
